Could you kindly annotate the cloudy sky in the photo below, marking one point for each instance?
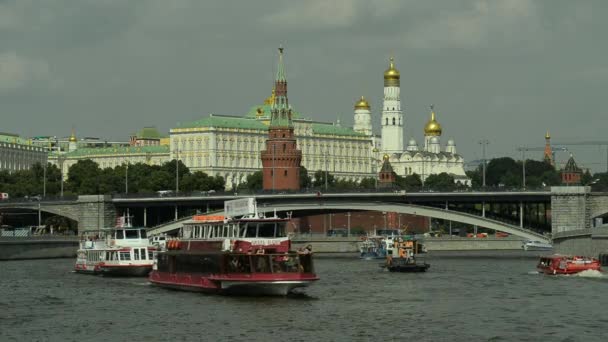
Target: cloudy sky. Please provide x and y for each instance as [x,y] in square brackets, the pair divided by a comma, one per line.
[505,70]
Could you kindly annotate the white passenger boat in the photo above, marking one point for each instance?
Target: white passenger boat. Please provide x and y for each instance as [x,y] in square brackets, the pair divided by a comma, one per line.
[537,246]
[122,250]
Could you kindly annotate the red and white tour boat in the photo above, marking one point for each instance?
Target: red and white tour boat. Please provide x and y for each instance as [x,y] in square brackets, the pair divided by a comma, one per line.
[250,255]
[122,250]
[566,264]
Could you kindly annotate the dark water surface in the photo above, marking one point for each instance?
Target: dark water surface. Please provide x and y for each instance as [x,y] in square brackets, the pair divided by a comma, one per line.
[472,297]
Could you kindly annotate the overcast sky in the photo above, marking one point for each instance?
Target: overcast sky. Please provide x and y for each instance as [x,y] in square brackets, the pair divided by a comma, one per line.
[505,71]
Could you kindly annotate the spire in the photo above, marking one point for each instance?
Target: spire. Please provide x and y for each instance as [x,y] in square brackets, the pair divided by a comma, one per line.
[281,68]
[432,128]
[547,136]
[548,153]
[281,111]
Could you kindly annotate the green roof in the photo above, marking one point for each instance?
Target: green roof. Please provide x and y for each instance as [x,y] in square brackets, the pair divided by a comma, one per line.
[225,122]
[149,133]
[330,129]
[97,151]
[13,139]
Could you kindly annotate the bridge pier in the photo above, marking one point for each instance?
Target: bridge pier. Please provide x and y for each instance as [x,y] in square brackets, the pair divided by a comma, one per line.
[521,214]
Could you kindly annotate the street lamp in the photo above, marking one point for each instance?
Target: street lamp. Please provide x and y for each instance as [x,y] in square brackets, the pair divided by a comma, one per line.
[127,178]
[326,167]
[61,159]
[484,143]
[176,172]
[44,180]
[375,160]
[523,164]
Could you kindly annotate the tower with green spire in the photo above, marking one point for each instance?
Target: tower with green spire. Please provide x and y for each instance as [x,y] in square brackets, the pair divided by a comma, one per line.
[281,159]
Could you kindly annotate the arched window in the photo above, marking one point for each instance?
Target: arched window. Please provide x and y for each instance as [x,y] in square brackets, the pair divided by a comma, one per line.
[387,121]
[393,121]
[285,173]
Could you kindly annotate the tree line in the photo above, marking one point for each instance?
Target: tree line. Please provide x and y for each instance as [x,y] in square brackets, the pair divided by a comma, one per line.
[85,177]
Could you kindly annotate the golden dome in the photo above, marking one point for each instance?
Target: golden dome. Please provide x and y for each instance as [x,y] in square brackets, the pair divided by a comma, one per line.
[73,137]
[362,104]
[270,99]
[386,157]
[547,136]
[432,128]
[391,73]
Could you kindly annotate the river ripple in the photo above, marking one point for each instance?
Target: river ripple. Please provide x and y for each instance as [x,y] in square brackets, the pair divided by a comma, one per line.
[464,297]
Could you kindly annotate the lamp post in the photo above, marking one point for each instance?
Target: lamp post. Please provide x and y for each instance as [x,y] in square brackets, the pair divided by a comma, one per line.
[484,143]
[274,148]
[326,168]
[348,224]
[523,164]
[44,180]
[61,159]
[375,160]
[127,178]
[176,172]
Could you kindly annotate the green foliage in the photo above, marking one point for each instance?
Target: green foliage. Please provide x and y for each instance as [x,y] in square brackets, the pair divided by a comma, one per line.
[412,182]
[440,182]
[368,183]
[255,182]
[319,181]
[86,178]
[305,180]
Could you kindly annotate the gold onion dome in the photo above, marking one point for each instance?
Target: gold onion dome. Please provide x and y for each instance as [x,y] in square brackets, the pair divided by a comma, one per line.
[391,73]
[432,128]
[547,136]
[386,157]
[73,137]
[362,104]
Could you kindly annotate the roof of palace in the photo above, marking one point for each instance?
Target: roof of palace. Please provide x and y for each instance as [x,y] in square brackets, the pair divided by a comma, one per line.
[426,154]
[248,122]
[149,133]
[12,139]
[131,150]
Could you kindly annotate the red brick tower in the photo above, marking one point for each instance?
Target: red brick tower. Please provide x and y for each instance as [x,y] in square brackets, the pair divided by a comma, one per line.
[386,176]
[548,154]
[281,159]
[571,174]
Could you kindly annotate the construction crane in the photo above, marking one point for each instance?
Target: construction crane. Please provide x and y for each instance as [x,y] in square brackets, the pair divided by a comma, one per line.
[588,143]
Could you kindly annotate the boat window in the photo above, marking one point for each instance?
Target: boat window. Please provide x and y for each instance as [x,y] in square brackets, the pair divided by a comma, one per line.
[281,229]
[131,234]
[142,253]
[142,233]
[250,230]
[136,254]
[150,255]
[197,264]
[239,264]
[266,229]
[120,234]
[125,256]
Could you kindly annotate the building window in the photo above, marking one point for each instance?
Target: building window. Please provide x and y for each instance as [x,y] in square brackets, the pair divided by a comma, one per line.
[285,173]
[393,121]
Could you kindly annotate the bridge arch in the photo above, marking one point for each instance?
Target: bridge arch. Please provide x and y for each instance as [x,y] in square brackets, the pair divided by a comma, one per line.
[54,210]
[404,209]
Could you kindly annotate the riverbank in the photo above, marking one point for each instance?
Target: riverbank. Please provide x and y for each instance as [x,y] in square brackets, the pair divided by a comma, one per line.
[38,247]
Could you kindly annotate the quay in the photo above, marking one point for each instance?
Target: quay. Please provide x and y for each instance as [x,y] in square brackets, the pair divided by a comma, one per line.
[42,247]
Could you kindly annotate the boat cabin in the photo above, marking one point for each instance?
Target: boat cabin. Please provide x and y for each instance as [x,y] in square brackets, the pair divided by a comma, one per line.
[217,227]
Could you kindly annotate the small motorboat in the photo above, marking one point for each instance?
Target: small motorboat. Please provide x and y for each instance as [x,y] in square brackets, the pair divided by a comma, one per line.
[401,256]
[566,264]
[536,246]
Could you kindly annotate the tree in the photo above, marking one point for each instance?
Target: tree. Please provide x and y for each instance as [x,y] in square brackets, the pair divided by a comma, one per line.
[319,180]
[502,171]
[305,181]
[409,183]
[255,182]
[83,177]
[367,183]
[440,182]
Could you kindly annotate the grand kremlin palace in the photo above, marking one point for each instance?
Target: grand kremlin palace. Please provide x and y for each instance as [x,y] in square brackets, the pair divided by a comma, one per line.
[230,146]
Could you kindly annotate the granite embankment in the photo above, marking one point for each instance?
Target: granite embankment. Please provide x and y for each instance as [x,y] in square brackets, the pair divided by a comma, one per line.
[322,244]
[44,247]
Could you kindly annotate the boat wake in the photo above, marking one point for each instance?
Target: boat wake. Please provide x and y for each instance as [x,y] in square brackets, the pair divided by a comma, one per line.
[591,274]
[534,272]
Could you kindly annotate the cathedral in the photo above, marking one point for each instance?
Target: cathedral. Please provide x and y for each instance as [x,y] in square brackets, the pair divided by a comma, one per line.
[425,160]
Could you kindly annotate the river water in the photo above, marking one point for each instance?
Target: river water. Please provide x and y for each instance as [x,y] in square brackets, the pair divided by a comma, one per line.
[490,296]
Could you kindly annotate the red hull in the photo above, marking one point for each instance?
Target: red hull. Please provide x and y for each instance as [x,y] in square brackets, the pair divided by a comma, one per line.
[251,284]
[560,264]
